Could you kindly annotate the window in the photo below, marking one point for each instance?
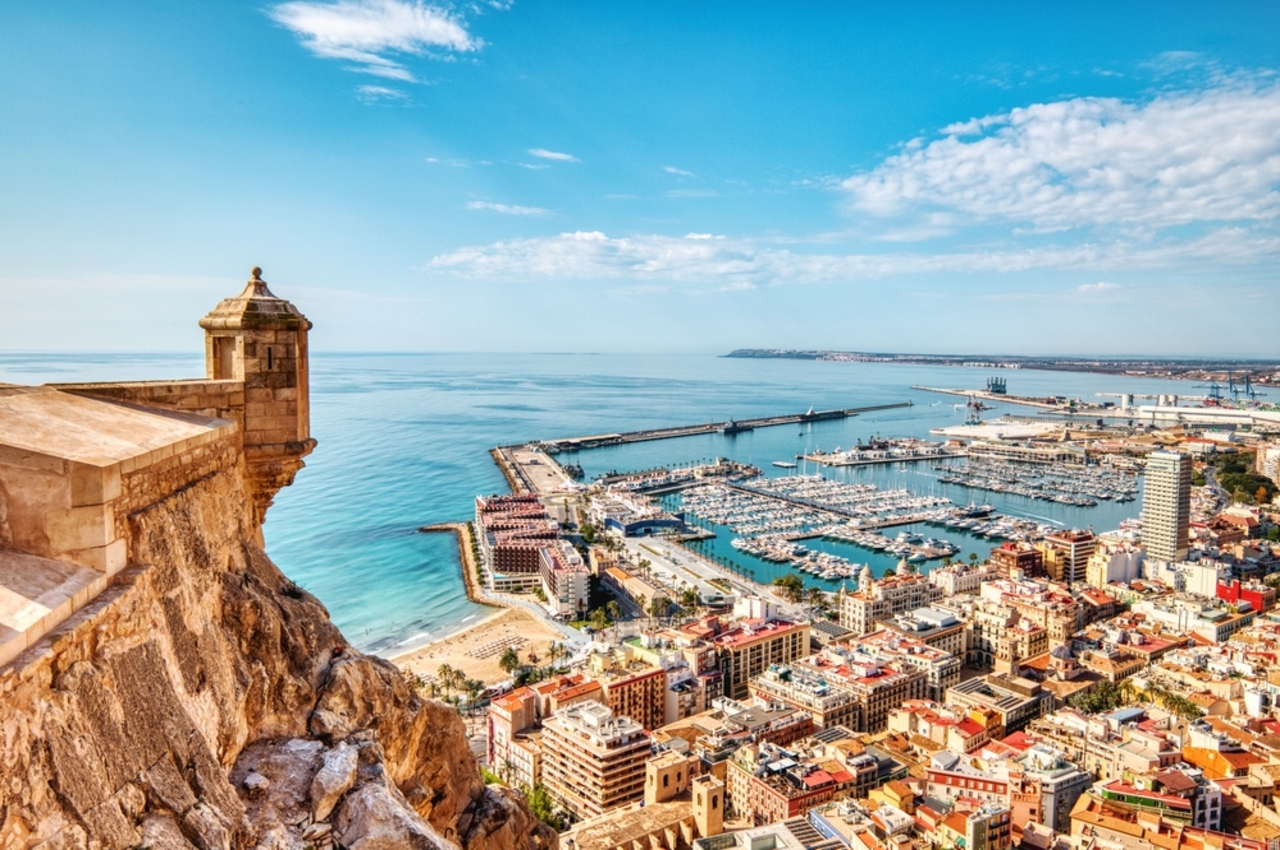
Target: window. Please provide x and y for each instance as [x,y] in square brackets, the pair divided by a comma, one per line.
[715,801]
[666,780]
[270,359]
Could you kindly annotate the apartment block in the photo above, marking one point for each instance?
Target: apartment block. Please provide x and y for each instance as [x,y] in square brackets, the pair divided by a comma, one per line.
[1166,506]
[592,759]
[877,600]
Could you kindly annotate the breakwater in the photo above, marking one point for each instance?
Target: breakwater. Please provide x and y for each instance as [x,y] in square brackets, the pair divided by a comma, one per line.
[728,427]
[467,558]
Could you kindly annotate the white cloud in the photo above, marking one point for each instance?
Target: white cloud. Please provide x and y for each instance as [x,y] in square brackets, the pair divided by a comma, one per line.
[543,153]
[1100,286]
[591,255]
[507,209]
[679,172]
[1184,157]
[373,94]
[370,32]
[533,166]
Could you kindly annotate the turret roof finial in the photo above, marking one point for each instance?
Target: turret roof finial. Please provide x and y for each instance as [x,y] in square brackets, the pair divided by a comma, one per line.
[256,273]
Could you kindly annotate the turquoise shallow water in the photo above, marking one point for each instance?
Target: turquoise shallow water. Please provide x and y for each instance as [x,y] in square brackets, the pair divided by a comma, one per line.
[404,441]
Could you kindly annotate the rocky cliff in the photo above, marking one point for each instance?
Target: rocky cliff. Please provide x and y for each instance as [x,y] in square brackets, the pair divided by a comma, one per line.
[203,700]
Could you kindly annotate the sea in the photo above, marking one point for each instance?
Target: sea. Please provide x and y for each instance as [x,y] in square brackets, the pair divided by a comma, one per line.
[404,441]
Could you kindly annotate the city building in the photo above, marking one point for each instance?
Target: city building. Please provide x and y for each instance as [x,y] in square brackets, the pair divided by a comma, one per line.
[1066,554]
[564,579]
[678,809]
[1017,558]
[931,627]
[767,784]
[1014,700]
[988,827]
[960,577]
[631,514]
[1166,506]
[746,648]
[1178,795]
[854,688]
[593,760]
[1116,559]
[873,601]
[1096,823]
[511,530]
[632,688]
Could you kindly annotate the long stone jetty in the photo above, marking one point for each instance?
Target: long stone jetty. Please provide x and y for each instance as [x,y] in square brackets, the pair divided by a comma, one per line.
[732,426]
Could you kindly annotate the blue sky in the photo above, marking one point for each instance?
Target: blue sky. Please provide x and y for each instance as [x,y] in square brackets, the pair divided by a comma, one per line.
[536,176]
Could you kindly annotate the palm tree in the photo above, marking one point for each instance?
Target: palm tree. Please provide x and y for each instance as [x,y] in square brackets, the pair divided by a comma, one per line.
[689,599]
[658,607]
[457,682]
[510,660]
[613,609]
[473,687]
[445,674]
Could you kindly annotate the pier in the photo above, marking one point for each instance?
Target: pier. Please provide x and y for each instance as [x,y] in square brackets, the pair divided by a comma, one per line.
[730,427]
[531,467]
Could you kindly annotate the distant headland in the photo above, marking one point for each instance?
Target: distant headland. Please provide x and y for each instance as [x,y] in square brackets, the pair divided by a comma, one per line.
[1179,368]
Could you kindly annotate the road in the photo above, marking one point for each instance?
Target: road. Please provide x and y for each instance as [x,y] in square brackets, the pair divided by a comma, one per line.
[676,568]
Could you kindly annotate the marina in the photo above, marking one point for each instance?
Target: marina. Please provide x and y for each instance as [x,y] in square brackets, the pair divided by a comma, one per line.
[1083,486]
[770,517]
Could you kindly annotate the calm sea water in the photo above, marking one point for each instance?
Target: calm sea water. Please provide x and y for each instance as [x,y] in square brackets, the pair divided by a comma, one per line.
[404,441]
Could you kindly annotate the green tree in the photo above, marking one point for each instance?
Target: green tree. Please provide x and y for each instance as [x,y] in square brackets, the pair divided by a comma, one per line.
[791,586]
[554,650]
[659,607]
[473,687]
[599,620]
[817,599]
[445,674]
[542,806]
[510,660]
[689,599]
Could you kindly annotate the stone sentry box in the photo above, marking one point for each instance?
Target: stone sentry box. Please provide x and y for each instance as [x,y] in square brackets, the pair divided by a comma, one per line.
[77,459]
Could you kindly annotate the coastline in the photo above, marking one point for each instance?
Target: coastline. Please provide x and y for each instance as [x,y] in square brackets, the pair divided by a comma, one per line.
[463,647]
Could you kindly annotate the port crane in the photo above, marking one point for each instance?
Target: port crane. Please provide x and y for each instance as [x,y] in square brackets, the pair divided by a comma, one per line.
[1244,385]
[1214,388]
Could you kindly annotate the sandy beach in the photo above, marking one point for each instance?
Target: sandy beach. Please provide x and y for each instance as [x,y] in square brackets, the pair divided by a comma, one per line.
[476,650]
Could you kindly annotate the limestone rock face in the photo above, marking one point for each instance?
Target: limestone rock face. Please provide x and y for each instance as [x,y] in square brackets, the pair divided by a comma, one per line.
[138,720]
[334,778]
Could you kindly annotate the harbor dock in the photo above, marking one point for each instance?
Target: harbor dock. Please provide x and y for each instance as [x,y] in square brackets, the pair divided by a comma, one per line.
[731,426]
[531,467]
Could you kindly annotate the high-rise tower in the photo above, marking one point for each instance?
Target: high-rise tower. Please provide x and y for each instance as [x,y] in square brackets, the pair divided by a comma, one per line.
[261,341]
[1166,506]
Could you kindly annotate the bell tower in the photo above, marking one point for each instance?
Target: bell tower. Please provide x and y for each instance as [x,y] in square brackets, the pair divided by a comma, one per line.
[260,340]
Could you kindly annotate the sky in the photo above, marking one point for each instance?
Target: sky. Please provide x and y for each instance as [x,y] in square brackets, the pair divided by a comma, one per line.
[1083,178]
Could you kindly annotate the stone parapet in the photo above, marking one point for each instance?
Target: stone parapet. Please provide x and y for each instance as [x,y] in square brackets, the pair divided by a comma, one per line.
[218,399]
